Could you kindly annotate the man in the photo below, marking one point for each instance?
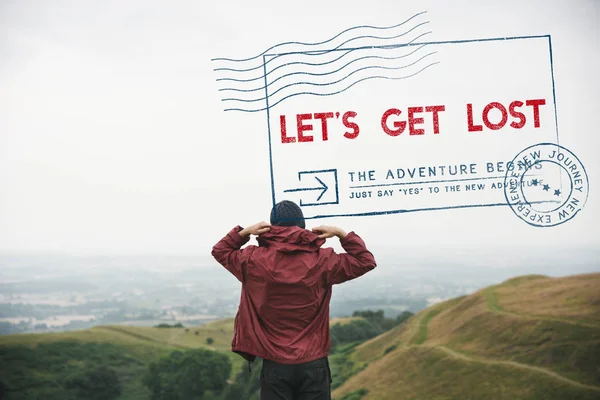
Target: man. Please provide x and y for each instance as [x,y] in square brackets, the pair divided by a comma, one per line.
[283,316]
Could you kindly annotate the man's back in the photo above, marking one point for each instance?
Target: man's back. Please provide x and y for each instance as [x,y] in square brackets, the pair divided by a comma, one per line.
[283,315]
[286,289]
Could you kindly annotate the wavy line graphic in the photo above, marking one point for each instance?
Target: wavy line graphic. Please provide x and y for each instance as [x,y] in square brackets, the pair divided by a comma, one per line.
[319,43]
[327,68]
[309,64]
[323,73]
[328,83]
[282,66]
[321,52]
[334,93]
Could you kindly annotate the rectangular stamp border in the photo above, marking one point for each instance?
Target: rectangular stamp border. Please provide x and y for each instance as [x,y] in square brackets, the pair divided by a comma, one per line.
[446,42]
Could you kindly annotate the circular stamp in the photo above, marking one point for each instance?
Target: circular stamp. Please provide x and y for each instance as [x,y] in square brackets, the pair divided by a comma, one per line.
[546,185]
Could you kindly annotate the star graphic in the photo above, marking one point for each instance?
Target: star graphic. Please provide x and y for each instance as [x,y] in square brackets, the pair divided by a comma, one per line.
[534,182]
[557,192]
[546,187]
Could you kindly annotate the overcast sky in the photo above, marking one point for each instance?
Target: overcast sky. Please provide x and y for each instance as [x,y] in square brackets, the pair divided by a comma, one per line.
[113,138]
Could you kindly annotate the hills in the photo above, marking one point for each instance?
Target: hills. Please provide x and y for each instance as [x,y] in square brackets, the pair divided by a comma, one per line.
[531,337]
[128,350]
[31,364]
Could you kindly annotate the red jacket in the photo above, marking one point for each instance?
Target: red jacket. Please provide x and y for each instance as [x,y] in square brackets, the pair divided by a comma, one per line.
[286,287]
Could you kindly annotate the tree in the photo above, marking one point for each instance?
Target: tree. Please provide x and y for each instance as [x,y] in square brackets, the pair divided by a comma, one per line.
[369,314]
[210,341]
[403,317]
[354,331]
[94,383]
[177,325]
[187,375]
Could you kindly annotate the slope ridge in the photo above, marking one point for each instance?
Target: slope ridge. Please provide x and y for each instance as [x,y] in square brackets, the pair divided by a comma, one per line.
[429,372]
[563,348]
[518,365]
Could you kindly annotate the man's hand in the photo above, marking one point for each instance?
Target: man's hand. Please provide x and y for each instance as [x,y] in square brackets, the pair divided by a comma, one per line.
[256,229]
[326,232]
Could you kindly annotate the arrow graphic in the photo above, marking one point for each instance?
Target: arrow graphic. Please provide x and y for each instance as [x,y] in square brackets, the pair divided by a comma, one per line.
[323,188]
[321,176]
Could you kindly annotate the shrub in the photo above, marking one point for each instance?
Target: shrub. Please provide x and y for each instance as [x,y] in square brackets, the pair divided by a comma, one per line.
[94,383]
[177,325]
[390,349]
[187,375]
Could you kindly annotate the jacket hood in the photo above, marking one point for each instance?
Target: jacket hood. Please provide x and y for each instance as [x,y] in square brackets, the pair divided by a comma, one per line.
[290,238]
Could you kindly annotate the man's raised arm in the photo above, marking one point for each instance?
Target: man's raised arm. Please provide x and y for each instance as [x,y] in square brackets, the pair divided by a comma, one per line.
[346,266]
[228,251]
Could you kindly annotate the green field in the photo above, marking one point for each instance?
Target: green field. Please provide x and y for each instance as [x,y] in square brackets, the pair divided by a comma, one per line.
[33,364]
[126,349]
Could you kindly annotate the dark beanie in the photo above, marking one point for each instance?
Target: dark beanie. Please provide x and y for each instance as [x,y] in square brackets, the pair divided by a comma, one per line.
[287,213]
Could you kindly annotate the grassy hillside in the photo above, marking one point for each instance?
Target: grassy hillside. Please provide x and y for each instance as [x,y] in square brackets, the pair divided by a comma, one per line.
[128,349]
[144,342]
[531,337]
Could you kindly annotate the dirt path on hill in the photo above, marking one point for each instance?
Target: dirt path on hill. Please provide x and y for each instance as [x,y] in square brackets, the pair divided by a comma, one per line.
[517,365]
[414,328]
[140,337]
[421,322]
[497,308]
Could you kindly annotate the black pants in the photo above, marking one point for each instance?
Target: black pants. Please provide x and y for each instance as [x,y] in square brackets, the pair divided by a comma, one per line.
[307,381]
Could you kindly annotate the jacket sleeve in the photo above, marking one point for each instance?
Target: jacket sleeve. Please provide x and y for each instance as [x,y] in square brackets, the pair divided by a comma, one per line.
[355,262]
[229,253]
